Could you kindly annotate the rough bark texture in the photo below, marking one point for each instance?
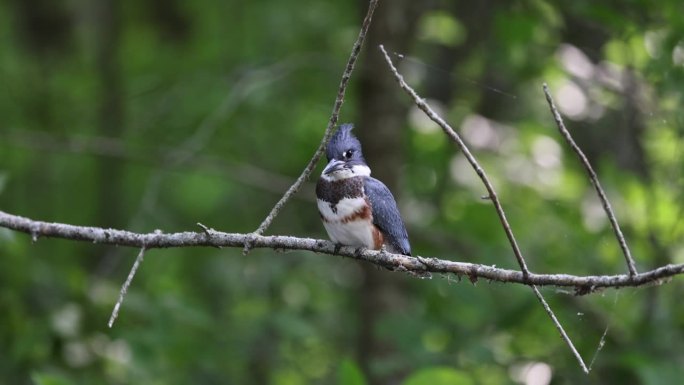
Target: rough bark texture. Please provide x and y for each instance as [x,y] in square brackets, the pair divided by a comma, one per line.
[417,266]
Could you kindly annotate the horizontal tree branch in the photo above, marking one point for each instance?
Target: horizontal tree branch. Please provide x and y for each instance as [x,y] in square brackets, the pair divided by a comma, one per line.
[396,262]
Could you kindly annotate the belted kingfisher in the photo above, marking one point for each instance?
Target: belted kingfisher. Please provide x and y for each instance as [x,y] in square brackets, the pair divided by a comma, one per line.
[356,209]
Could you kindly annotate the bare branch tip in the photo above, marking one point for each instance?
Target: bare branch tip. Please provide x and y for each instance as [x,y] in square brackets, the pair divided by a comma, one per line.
[559,327]
[124,287]
[203,227]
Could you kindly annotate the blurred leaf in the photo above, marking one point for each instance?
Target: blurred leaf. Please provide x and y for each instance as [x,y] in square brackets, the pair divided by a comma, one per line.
[349,373]
[658,373]
[49,379]
[3,180]
[439,376]
[441,27]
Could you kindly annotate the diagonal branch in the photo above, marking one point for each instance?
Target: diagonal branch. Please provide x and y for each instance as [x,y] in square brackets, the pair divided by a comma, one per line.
[212,238]
[124,287]
[346,75]
[594,181]
[559,327]
[420,102]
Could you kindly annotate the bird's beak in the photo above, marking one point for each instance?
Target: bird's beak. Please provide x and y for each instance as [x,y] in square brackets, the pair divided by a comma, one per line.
[334,165]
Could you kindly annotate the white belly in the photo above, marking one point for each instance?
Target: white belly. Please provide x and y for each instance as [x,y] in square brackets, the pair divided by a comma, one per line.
[357,233]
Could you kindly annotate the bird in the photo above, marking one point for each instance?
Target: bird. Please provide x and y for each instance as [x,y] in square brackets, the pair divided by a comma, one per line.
[356,209]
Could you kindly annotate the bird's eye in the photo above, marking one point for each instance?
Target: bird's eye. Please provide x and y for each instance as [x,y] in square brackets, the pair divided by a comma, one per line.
[348,154]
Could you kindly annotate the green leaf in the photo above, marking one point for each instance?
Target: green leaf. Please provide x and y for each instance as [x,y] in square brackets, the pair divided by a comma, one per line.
[349,373]
[441,27]
[439,376]
[49,379]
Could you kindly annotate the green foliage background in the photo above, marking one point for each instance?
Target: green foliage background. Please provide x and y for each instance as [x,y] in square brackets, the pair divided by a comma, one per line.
[205,111]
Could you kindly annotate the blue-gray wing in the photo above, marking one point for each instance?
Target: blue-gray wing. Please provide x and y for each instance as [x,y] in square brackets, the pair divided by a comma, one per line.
[386,215]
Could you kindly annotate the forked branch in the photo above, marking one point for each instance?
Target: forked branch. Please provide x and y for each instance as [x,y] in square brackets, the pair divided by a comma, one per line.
[420,102]
[594,181]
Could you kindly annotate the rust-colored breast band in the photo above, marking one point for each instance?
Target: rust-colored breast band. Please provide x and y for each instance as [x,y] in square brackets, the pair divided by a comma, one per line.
[378,238]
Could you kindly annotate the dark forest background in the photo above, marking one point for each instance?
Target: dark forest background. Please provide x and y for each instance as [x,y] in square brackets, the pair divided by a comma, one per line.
[153,114]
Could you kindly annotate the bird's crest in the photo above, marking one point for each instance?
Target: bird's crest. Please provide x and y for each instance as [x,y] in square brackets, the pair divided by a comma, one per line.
[341,141]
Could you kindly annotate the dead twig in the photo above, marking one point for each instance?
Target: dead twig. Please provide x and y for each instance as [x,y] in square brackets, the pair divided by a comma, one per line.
[594,181]
[124,287]
[560,329]
[346,75]
[420,102]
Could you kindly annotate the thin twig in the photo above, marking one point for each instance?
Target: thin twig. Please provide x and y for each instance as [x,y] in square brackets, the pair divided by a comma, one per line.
[157,240]
[471,159]
[124,287]
[492,194]
[346,75]
[594,181]
[602,341]
[562,332]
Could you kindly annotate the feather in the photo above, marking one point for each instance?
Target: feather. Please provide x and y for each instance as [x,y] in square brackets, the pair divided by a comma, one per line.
[386,215]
